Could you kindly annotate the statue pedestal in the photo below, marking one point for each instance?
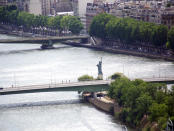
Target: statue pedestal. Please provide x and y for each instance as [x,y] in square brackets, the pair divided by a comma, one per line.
[100,77]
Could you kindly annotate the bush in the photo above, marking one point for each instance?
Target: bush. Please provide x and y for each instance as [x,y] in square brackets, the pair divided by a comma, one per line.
[85,78]
[116,75]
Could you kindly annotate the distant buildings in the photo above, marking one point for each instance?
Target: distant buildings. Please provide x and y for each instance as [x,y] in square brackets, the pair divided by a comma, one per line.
[43,7]
[149,11]
[3,2]
[95,8]
[167,17]
[37,7]
[155,11]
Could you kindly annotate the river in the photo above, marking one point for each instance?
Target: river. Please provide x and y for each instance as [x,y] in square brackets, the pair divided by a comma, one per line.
[26,64]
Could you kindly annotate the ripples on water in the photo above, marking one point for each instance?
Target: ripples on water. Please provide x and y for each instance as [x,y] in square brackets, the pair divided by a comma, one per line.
[25,64]
[61,111]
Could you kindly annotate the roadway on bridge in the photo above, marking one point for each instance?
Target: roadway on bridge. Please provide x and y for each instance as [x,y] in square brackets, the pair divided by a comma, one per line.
[89,86]
[94,86]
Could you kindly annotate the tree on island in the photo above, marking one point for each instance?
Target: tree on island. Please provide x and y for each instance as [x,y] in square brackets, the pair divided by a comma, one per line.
[138,99]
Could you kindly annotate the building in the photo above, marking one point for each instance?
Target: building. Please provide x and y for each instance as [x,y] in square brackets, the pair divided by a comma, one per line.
[37,7]
[3,2]
[93,9]
[167,17]
[45,7]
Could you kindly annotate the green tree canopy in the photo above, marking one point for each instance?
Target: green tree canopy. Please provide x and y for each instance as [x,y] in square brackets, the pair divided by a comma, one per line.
[171,38]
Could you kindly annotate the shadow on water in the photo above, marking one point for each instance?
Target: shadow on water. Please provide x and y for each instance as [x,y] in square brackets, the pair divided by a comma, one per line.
[41,103]
[30,50]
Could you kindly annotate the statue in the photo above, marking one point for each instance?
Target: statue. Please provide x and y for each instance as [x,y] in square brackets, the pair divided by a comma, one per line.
[170,125]
[100,73]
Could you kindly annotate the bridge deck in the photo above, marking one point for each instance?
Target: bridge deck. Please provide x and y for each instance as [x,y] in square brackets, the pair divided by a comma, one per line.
[41,39]
[76,86]
[160,79]
[94,86]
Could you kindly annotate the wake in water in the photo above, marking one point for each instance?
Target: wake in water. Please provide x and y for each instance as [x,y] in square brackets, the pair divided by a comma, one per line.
[41,103]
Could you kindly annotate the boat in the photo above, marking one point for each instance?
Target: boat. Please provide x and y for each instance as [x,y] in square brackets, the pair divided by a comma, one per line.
[47,45]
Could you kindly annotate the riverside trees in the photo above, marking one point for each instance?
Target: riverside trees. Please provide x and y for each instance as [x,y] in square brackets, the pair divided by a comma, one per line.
[11,15]
[130,31]
[138,98]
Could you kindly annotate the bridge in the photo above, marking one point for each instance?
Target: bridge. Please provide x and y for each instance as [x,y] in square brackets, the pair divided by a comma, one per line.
[88,86]
[167,80]
[38,40]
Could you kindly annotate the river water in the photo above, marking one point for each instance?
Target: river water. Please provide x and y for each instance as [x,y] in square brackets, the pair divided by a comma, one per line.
[26,64]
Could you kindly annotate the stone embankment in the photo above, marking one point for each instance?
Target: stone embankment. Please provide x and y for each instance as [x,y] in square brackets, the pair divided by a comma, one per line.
[108,105]
[122,51]
[103,103]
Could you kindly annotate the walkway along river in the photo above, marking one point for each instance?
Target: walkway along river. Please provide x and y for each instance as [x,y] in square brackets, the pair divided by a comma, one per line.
[23,64]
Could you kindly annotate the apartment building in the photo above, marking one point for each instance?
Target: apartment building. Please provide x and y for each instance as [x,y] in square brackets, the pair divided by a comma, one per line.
[167,17]
[37,7]
[92,10]
[45,7]
[3,2]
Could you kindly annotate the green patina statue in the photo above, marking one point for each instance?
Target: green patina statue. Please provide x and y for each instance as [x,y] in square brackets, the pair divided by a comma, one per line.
[100,73]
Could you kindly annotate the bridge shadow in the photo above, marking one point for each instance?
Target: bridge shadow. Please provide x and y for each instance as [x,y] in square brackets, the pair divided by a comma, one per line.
[30,50]
[41,103]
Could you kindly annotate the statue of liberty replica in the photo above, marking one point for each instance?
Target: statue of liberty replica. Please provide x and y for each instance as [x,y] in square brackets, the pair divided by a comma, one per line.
[100,73]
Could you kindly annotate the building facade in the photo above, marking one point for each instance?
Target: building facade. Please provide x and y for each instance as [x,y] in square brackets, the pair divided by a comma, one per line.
[3,2]
[167,17]
[37,7]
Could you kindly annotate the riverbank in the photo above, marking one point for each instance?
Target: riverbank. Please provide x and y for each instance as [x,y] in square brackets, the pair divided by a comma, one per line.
[104,103]
[120,51]
[5,29]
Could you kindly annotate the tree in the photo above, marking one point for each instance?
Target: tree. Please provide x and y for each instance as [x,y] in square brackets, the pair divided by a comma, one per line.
[160,35]
[171,38]
[157,110]
[71,23]
[128,30]
[54,22]
[85,78]
[13,16]
[138,98]
[97,27]
[116,75]
[75,25]
[143,103]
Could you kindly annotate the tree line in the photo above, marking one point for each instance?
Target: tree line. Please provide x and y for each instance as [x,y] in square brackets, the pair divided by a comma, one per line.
[11,15]
[130,31]
[139,99]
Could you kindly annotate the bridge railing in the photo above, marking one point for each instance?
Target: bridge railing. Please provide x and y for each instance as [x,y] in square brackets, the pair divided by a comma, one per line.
[63,83]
